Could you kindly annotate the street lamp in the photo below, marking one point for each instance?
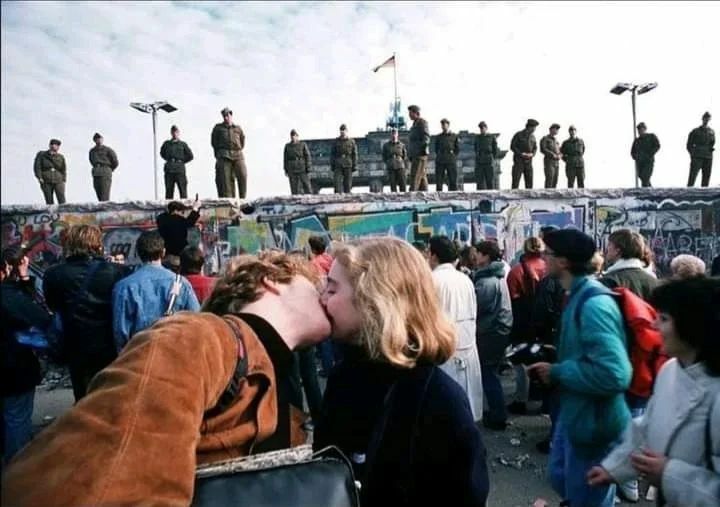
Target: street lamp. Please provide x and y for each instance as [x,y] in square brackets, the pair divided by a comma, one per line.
[153,108]
[636,89]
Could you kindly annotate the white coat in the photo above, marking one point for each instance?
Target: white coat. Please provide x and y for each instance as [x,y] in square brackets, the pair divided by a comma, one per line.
[457,297]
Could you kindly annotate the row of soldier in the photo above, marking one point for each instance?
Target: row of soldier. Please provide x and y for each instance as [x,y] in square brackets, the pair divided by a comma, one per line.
[228,142]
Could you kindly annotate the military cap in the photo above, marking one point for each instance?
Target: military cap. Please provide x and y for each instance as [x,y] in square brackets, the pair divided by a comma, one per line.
[482,124]
[55,141]
[445,120]
[174,128]
[574,245]
[343,127]
[707,114]
[414,108]
[226,110]
[293,132]
[554,126]
[642,125]
[97,136]
[532,123]
[572,127]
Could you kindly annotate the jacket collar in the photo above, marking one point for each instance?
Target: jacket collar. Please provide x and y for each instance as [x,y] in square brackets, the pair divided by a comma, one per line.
[626,264]
[448,266]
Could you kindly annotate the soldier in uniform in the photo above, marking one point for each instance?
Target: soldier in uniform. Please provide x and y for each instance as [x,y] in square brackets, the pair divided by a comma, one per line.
[51,172]
[176,154]
[343,161]
[228,141]
[447,147]
[395,157]
[524,148]
[418,149]
[296,162]
[643,151]
[573,149]
[103,161]
[550,147]
[486,150]
[700,145]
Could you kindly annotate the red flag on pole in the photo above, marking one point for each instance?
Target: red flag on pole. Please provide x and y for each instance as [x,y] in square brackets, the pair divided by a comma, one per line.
[390,62]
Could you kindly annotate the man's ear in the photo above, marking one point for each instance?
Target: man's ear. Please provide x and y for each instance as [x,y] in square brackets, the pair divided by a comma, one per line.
[271,285]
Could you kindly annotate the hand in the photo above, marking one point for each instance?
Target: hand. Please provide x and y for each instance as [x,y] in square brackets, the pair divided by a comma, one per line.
[650,465]
[196,205]
[598,476]
[542,370]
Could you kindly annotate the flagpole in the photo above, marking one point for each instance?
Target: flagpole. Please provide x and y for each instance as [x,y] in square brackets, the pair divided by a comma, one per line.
[395,105]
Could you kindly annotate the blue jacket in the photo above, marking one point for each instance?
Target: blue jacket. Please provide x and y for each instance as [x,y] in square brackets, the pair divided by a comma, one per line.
[593,369]
[142,298]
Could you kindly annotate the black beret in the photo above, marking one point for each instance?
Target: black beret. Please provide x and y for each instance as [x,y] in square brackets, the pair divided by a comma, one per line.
[572,127]
[225,111]
[574,245]
[482,124]
[343,127]
[97,136]
[293,132]
[707,114]
[55,141]
[532,123]
[414,109]
[554,126]
[174,128]
[642,125]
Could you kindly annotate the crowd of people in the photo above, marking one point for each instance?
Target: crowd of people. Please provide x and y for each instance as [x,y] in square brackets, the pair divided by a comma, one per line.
[171,370]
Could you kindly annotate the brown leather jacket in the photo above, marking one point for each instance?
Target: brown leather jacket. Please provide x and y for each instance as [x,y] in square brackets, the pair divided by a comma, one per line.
[137,436]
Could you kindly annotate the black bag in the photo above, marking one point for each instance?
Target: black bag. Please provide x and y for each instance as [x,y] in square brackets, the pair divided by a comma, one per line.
[288,477]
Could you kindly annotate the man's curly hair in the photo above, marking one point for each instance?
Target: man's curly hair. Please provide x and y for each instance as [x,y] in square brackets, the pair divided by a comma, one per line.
[242,280]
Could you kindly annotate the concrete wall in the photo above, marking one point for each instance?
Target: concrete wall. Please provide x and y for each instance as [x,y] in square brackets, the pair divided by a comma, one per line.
[673,220]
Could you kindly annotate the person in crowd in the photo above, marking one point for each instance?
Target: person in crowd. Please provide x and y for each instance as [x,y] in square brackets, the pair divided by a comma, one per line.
[80,291]
[329,353]
[457,297]
[421,432]
[191,264]
[648,256]
[20,309]
[494,322]
[687,266]
[149,292]
[593,411]
[171,263]
[467,260]
[625,251]
[522,282]
[172,401]
[676,445]
[173,225]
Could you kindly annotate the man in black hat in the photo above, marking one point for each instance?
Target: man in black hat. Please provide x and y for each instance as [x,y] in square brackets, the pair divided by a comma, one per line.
[447,147]
[343,161]
[173,225]
[524,148]
[418,149]
[228,142]
[573,149]
[297,164]
[51,172]
[176,154]
[486,150]
[103,161]
[700,145]
[395,157]
[550,147]
[643,151]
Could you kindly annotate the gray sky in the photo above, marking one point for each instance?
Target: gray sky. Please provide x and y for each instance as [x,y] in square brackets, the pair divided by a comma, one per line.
[70,69]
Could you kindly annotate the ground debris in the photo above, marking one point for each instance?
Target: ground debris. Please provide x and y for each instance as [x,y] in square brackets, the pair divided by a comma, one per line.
[518,462]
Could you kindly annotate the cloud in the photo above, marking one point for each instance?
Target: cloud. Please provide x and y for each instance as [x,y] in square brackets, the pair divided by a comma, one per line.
[70,69]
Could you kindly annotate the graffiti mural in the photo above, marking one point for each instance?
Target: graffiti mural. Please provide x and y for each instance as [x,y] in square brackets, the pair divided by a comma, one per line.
[673,221]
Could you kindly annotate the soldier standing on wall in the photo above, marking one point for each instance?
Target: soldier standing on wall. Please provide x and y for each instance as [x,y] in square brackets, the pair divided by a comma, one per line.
[486,150]
[395,157]
[524,148]
[228,141]
[550,147]
[343,161]
[700,145]
[643,151]
[51,172]
[573,149]
[296,162]
[103,161]
[176,154]
[418,150]
[447,147]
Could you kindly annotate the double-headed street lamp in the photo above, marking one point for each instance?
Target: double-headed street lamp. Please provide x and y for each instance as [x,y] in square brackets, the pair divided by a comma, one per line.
[636,89]
[153,108]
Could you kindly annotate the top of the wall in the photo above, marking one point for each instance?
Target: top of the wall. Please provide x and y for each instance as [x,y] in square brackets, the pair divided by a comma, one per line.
[709,194]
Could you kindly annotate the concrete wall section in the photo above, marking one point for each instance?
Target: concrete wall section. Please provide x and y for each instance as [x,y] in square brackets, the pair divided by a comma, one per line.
[673,220]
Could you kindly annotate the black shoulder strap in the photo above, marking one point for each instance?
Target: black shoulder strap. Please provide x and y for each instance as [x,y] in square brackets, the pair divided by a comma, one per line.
[241,368]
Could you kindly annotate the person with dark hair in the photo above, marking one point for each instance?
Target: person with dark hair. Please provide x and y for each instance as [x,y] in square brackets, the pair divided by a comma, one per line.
[171,263]
[494,322]
[676,445]
[467,260]
[457,297]
[191,264]
[591,374]
[149,293]
[80,291]
[176,154]
[625,251]
[173,225]
[320,258]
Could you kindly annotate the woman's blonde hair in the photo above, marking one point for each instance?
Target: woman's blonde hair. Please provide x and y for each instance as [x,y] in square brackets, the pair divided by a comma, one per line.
[403,321]
[533,246]
[82,240]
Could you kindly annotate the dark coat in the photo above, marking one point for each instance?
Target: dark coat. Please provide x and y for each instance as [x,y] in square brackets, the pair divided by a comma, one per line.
[20,367]
[426,449]
[173,229]
[547,309]
[494,315]
[635,279]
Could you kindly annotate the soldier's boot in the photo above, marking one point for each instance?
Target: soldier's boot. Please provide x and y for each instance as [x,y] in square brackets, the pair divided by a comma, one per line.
[581,177]
[304,186]
[240,174]
[181,180]
[528,174]
[221,179]
[439,177]
[338,181]
[293,179]
[706,172]
[47,191]
[401,179]
[347,180]
[452,178]
[517,173]
[169,185]
[392,180]
[59,188]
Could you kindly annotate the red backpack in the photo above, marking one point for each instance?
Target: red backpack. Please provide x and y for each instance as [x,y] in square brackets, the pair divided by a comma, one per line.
[645,343]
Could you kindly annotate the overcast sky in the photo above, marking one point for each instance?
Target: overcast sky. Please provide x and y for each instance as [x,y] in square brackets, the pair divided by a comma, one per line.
[70,69]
